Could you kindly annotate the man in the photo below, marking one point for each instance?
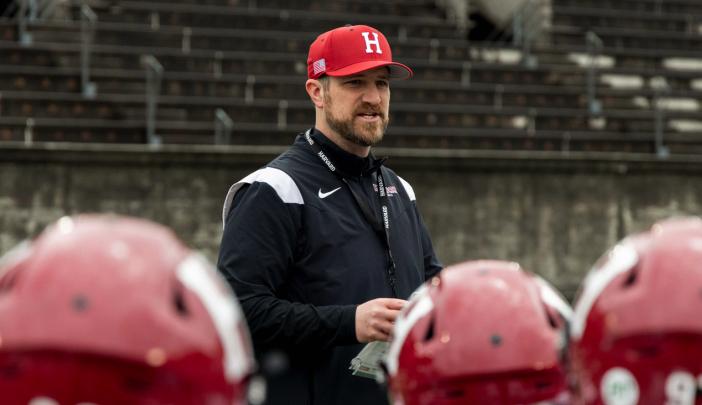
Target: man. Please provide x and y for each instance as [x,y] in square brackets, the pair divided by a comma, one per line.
[116,310]
[324,244]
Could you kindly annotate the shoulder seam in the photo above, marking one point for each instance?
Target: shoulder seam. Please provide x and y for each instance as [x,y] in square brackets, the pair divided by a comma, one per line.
[408,189]
[284,186]
[282,183]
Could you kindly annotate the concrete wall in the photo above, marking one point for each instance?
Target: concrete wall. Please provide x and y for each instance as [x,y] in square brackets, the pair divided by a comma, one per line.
[554,214]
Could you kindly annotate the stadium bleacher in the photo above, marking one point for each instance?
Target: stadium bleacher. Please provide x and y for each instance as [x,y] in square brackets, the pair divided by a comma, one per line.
[249,61]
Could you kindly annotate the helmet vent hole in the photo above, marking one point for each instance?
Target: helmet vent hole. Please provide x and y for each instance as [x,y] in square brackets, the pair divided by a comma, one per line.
[429,335]
[647,351]
[137,385]
[10,371]
[495,340]
[553,323]
[630,278]
[179,303]
[454,393]
[80,303]
[542,385]
[8,282]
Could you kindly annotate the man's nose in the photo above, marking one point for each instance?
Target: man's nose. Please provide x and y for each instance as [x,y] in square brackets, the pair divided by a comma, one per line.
[371,95]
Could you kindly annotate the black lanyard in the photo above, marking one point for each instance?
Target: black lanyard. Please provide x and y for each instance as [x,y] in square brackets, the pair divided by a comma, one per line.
[381,228]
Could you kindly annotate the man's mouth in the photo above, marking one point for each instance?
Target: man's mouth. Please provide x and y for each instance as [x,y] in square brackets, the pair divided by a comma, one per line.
[369,116]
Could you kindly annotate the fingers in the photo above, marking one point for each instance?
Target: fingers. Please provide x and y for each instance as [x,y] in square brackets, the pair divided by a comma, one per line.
[384,327]
[375,319]
[389,310]
[378,336]
[388,315]
[393,303]
[381,330]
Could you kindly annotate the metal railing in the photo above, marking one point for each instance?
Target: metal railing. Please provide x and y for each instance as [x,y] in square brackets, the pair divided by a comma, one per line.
[217,64]
[29,131]
[497,97]
[29,11]
[282,114]
[154,75]
[659,94]
[594,46]
[565,143]
[25,16]
[465,73]
[88,20]
[457,12]
[531,122]
[402,34]
[434,45]
[155,21]
[223,128]
[249,94]
[529,24]
[185,40]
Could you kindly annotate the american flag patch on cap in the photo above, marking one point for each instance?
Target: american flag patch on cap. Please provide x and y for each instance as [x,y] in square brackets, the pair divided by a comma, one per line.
[319,66]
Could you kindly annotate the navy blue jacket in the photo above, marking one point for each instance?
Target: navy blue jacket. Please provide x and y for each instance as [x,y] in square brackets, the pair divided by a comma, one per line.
[301,256]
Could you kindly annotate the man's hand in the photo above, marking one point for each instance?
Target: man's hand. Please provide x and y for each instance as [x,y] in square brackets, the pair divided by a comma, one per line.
[375,319]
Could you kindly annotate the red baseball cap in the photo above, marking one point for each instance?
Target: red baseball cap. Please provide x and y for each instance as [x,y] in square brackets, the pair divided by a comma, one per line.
[349,50]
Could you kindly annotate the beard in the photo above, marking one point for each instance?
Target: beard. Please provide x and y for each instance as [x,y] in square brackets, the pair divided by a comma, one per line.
[359,133]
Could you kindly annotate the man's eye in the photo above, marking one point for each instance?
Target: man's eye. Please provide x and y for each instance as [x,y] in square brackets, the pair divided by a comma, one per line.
[353,82]
[383,84]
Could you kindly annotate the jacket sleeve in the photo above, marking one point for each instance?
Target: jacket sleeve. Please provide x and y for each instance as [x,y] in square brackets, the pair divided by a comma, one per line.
[256,257]
[432,265]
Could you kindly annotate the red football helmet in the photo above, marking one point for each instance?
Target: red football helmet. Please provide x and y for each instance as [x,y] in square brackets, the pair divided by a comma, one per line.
[113,310]
[636,336]
[482,332]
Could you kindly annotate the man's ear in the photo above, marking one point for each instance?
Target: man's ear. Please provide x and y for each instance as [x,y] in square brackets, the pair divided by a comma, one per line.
[316,92]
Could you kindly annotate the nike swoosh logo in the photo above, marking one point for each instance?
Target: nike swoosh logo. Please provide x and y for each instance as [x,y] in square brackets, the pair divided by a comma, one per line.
[327,194]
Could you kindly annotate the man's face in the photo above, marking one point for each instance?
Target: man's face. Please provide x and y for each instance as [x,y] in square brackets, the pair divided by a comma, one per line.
[357,107]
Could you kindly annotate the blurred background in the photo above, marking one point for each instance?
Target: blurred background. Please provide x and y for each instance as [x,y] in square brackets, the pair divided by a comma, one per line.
[538,131]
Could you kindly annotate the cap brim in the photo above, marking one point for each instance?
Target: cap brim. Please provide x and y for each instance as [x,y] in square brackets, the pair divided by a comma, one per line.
[397,70]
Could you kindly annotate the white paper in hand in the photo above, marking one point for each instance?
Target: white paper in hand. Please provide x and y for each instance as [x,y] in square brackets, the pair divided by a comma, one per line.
[367,362]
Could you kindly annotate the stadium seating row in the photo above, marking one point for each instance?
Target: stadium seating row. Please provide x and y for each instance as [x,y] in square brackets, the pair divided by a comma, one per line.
[224,55]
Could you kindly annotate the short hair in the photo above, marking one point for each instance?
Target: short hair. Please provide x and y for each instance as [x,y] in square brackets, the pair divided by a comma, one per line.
[325,82]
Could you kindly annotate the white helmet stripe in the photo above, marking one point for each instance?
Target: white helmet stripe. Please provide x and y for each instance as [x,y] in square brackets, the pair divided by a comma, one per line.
[554,299]
[404,324]
[621,259]
[197,275]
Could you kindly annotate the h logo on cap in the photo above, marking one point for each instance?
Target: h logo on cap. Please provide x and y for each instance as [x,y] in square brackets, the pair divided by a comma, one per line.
[370,42]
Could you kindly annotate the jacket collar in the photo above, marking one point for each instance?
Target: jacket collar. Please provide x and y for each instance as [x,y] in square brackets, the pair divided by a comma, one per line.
[348,164]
